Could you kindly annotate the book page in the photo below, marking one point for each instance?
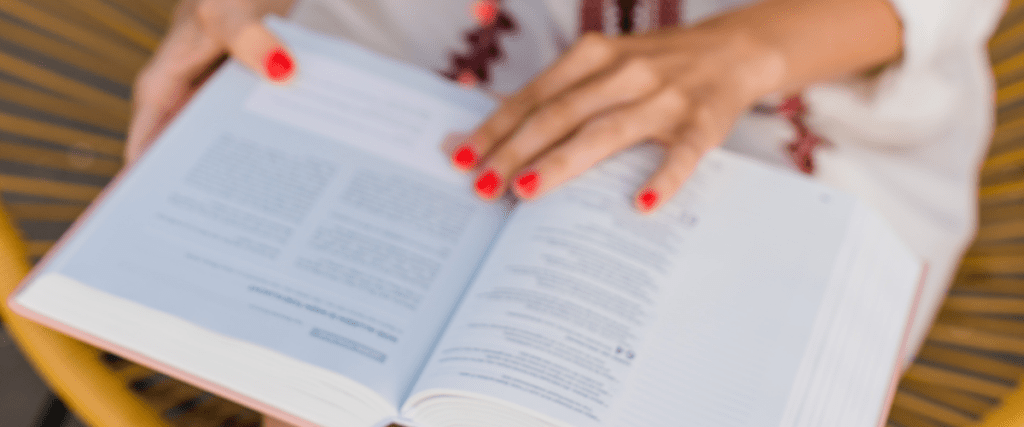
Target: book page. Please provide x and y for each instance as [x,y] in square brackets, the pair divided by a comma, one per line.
[589,315]
[561,309]
[853,361]
[318,219]
[729,351]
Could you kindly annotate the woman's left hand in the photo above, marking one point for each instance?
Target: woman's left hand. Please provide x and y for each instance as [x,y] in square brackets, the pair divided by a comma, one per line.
[683,88]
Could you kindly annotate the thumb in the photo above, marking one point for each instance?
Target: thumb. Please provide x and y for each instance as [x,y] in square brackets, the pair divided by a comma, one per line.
[241,31]
[260,50]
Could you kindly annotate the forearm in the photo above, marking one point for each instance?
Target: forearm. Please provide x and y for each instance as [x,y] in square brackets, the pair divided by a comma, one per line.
[816,40]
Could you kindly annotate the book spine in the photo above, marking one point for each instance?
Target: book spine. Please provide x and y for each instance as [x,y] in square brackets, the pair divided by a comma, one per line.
[398,421]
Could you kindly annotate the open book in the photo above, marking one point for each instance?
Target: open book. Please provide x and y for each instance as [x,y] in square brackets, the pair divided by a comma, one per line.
[307,250]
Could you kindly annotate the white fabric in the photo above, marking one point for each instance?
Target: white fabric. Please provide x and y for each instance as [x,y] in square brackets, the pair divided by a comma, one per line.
[909,141]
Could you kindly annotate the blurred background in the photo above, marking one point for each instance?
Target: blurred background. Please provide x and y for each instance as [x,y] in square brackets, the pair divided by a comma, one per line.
[24,399]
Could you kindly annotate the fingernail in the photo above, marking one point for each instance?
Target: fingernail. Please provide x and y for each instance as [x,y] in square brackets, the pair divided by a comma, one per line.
[527,183]
[487,184]
[464,157]
[647,199]
[279,65]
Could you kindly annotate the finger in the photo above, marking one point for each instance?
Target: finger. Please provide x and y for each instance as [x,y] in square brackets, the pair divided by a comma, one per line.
[591,55]
[166,83]
[147,124]
[630,82]
[238,26]
[703,131]
[450,143]
[652,118]
[678,164]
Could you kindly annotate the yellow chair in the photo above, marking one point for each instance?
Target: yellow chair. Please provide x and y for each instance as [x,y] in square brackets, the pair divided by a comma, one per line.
[65,70]
[969,371]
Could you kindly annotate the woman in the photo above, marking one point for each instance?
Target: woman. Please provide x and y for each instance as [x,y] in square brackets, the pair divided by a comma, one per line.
[894,97]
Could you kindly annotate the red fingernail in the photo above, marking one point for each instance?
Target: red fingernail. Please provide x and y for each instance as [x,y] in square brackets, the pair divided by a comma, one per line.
[487,184]
[527,183]
[464,156]
[279,65]
[647,199]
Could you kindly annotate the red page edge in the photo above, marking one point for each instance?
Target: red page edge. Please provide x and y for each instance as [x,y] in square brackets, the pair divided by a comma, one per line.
[904,349]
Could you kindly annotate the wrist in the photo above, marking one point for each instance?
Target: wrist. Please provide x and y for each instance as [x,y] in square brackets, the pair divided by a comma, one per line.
[813,41]
[767,64]
[758,65]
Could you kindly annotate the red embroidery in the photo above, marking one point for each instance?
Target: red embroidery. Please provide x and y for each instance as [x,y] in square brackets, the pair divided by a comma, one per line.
[592,16]
[471,68]
[792,108]
[801,150]
[626,10]
[669,13]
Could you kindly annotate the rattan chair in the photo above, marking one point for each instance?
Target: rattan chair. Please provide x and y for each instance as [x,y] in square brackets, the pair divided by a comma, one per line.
[66,67]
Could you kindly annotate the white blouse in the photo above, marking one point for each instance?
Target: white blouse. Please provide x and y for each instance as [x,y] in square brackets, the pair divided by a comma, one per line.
[909,141]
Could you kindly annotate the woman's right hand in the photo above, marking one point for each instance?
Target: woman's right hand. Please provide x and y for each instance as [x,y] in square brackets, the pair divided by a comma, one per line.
[200,36]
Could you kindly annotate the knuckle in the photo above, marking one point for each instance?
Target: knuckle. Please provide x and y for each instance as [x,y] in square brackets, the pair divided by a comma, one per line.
[703,116]
[686,155]
[209,11]
[495,129]
[519,105]
[612,127]
[674,100]
[676,174]
[558,162]
[215,12]
[551,119]
[740,41]
[710,125]
[513,155]
[596,46]
[509,155]
[557,112]
[640,73]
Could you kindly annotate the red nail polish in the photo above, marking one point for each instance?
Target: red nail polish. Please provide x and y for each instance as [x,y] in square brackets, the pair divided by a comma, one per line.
[647,199]
[528,183]
[279,65]
[464,156]
[487,184]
